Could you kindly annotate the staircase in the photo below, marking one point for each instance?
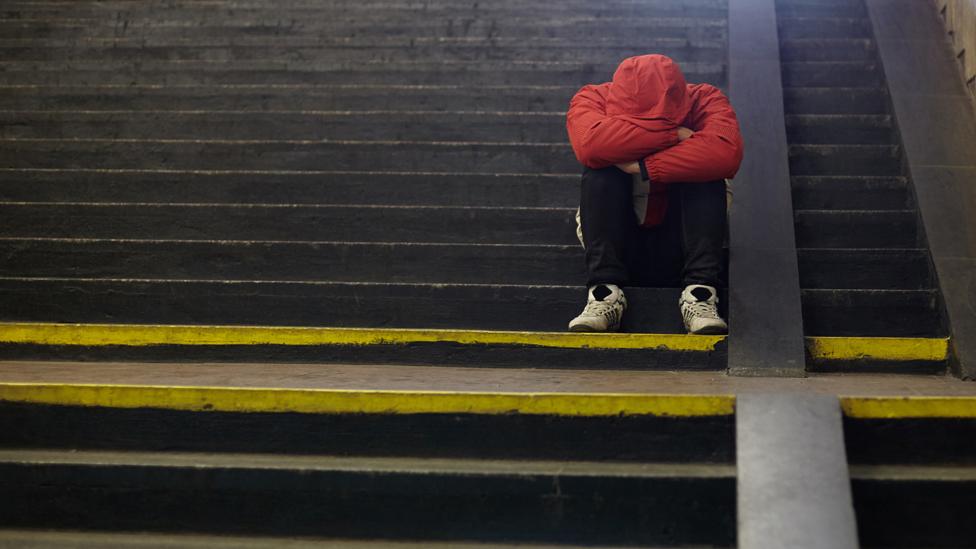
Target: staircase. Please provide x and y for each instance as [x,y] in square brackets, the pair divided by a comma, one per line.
[865,269]
[345,165]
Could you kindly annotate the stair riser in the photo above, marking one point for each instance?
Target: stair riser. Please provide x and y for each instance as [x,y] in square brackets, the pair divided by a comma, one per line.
[818,27]
[338,262]
[629,31]
[893,513]
[853,313]
[467,307]
[349,224]
[828,160]
[841,132]
[677,49]
[850,194]
[835,101]
[629,438]
[551,508]
[390,156]
[824,229]
[860,50]
[524,190]
[861,269]
[353,126]
[343,224]
[303,99]
[818,8]
[935,441]
[283,74]
[831,75]
[375,12]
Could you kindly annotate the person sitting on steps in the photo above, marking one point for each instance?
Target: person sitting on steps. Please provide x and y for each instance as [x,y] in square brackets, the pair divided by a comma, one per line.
[654,146]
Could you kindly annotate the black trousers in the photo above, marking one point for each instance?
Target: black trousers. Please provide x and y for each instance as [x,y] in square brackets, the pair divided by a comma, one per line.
[685,249]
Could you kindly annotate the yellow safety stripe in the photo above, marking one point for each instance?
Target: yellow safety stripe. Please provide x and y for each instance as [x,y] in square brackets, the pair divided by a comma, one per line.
[878,348]
[246,399]
[142,335]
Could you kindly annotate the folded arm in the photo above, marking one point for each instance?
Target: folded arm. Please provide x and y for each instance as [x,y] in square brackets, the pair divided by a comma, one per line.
[713,152]
[600,140]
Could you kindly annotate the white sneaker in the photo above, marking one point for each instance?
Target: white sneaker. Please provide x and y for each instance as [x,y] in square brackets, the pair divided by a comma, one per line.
[604,309]
[700,312]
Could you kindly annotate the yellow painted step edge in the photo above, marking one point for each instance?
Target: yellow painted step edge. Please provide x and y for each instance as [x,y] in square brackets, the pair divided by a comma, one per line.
[904,407]
[256,399]
[245,399]
[878,348]
[143,335]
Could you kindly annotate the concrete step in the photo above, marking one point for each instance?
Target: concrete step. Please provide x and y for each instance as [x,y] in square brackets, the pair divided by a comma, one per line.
[844,74]
[282,186]
[849,268]
[828,49]
[297,96]
[856,228]
[74,539]
[869,160]
[913,505]
[840,192]
[795,28]
[391,51]
[835,100]
[561,433]
[871,312]
[634,28]
[300,261]
[296,303]
[840,129]
[472,125]
[820,8]
[271,154]
[128,11]
[271,71]
[396,498]
[285,222]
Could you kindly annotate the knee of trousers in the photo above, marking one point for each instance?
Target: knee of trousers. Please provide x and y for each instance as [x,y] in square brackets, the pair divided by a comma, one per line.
[609,178]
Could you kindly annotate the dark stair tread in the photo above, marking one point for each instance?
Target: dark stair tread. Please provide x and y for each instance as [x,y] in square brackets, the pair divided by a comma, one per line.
[791,28]
[279,303]
[356,223]
[77,539]
[865,268]
[840,129]
[471,74]
[844,74]
[856,228]
[298,96]
[82,55]
[262,495]
[835,100]
[851,193]
[833,159]
[874,313]
[300,261]
[827,49]
[306,125]
[277,154]
[291,187]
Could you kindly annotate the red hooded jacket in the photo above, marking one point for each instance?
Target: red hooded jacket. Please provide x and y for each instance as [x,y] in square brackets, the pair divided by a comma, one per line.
[636,117]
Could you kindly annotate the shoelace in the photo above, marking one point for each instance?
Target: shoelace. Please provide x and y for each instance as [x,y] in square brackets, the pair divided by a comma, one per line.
[701,309]
[598,308]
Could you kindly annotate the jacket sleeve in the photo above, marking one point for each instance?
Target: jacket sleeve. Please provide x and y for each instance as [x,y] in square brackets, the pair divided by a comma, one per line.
[600,140]
[713,152]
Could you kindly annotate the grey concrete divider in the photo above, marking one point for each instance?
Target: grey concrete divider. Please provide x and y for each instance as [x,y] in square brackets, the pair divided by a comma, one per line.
[766,336]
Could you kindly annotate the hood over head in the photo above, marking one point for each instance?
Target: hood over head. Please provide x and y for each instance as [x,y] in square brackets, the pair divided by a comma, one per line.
[648,90]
